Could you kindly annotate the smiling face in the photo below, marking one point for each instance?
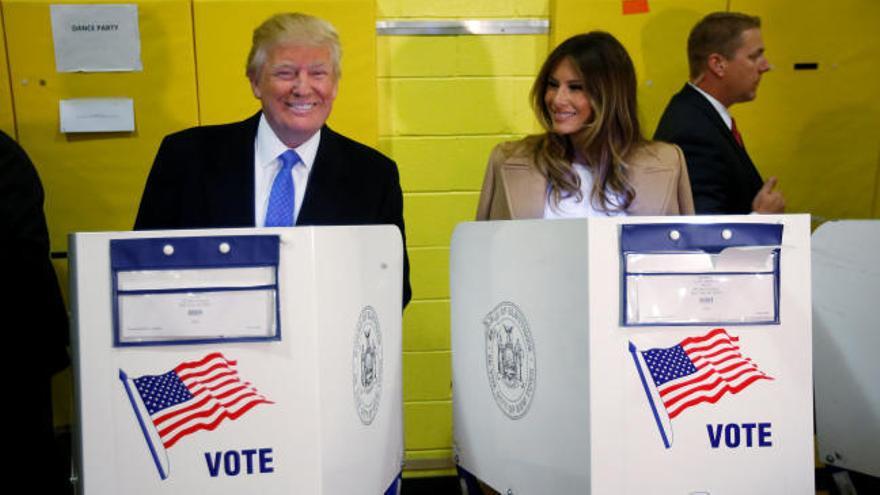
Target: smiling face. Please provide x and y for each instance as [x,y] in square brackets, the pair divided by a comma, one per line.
[566,99]
[296,87]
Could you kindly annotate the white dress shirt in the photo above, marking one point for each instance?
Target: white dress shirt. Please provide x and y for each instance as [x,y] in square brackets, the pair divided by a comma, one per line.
[721,109]
[267,149]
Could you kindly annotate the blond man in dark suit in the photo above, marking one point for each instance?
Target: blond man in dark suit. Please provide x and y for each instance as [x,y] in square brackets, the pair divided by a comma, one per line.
[227,175]
[726,58]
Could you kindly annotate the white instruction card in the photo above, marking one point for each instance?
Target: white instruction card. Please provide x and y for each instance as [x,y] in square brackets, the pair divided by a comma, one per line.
[96,37]
[96,115]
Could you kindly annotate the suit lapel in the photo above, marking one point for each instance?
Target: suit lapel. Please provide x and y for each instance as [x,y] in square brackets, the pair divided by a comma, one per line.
[325,182]
[229,188]
[525,188]
[703,104]
[652,179]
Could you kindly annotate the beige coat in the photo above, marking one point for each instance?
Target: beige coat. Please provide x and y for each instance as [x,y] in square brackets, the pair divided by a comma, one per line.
[514,189]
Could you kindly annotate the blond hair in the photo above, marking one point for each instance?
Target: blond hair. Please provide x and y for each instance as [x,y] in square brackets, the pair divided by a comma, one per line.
[294,28]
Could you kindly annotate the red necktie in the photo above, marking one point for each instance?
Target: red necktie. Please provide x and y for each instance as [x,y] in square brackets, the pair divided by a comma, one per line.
[736,136]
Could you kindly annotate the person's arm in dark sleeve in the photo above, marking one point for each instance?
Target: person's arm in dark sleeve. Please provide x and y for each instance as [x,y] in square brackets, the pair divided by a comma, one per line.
[392,213]
[708,174]
[33,308]
[705,165]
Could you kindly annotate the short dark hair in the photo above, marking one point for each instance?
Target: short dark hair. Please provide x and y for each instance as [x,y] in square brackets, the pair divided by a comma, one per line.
[718,32]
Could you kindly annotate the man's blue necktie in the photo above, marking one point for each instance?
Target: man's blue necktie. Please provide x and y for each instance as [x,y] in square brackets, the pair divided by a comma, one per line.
[279,213]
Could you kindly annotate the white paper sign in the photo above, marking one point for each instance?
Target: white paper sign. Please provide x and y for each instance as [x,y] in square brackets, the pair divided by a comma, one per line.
[96,38]
[191,304]
[737,285]
[97,115]
[694,298]
[197,315]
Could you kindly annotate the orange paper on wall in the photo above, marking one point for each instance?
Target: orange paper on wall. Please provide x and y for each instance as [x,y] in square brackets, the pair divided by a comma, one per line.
[635,7]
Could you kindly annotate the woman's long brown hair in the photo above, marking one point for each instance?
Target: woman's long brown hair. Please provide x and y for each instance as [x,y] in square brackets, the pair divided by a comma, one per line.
[610,134]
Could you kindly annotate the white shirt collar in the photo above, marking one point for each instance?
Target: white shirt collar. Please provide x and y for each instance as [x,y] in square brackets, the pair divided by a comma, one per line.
[268,146]
[721,109]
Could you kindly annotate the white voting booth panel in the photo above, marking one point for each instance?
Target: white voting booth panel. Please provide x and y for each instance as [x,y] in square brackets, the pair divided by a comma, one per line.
[571,374]
[305,397]
[846,285]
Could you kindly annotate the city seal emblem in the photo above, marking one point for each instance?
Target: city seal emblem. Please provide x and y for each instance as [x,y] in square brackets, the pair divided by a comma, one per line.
[510,359]
[366,365]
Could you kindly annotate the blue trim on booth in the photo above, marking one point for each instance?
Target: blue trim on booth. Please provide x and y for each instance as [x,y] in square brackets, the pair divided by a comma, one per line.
[196,290]
[705,237]
[394,487]
[708,238]
[194,253]
[470,480]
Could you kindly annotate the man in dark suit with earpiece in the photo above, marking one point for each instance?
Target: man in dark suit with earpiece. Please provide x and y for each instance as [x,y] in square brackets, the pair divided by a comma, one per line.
[726,59]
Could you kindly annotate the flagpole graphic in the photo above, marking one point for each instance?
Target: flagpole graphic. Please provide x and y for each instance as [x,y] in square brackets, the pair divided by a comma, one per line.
[667,440]
[160,466]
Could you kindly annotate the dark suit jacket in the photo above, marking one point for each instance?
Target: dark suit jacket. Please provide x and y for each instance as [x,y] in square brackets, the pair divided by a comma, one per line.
[203,177]
[34,322]
[34,316]
[723,177]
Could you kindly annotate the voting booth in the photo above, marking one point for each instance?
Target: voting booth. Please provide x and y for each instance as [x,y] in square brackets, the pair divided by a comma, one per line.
[633,355]
[238,361]
[846,285]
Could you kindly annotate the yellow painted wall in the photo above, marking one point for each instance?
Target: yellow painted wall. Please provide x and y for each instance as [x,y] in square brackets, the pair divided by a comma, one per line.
[223,31]
[93,181]
[446,101]
[818,130]
[461,9]
[7,114]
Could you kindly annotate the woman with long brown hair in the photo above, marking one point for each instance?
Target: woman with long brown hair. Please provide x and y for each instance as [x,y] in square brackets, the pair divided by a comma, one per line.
[592,158]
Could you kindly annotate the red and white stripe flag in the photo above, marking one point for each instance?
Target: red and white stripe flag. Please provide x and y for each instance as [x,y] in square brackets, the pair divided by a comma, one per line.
[195,396]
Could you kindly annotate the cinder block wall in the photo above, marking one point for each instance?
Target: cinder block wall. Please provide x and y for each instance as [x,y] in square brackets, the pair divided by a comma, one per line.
[444,102]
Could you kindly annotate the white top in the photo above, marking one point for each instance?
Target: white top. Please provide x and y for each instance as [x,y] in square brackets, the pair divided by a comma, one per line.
[721,109]
[267,149]
[570,207]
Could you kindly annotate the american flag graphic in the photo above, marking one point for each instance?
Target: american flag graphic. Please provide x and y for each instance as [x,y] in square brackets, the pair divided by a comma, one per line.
[700,369]
[196,395]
